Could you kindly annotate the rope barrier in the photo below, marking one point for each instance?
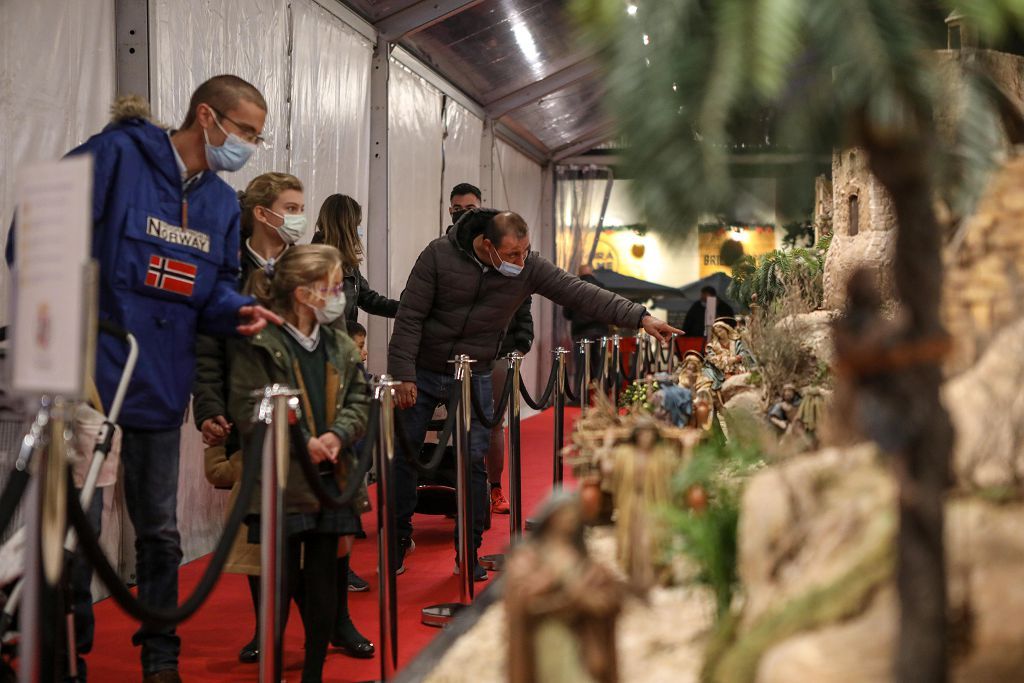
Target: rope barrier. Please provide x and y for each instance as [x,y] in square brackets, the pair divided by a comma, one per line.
[568,388]
[430,466]
[135,608]
[499,409]
[545,402]
[355,477]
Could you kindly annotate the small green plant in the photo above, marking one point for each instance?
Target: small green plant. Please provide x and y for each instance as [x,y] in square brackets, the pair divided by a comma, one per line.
[635,396]
[706,522]
[795,273]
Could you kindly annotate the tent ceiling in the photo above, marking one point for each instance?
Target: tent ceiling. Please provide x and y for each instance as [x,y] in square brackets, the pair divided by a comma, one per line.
[516,58]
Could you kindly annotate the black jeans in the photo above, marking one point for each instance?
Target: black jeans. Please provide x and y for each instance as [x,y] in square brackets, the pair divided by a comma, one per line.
[150,465]
[432,391]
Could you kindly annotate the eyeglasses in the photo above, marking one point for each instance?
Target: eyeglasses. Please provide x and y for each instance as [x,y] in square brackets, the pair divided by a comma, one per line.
[247,132]
[324,291]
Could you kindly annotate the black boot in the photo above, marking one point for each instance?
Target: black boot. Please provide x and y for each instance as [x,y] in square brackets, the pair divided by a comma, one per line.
[344,635]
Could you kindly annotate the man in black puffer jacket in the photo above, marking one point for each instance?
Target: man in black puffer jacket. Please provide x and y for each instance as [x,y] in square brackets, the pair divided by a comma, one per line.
[461,295]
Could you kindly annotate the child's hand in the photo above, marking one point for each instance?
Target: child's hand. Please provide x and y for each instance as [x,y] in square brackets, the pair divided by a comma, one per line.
[332,443]
[318,452]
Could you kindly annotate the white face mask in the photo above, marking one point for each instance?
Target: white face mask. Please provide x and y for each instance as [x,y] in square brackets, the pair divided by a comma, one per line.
[504,267]
[292,228]
[334,306]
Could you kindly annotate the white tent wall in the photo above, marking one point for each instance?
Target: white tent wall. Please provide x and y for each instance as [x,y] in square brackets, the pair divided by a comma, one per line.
[55,95]
[330,107]
[517,185]
[192,40]
[414,170]
[463,134]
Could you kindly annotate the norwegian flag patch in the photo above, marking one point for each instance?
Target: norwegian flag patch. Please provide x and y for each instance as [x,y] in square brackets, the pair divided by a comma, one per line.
[170,275]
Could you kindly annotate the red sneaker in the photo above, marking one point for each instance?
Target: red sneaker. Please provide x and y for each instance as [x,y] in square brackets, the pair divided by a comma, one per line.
[499,504]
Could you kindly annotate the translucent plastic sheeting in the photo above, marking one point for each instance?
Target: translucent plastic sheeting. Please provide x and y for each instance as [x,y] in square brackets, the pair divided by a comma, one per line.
[463,132]
[57,71]
[414,170]
[517,185]
[192,40]
[330,117]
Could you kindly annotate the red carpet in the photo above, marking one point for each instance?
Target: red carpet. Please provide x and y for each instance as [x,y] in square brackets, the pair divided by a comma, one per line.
[212,638]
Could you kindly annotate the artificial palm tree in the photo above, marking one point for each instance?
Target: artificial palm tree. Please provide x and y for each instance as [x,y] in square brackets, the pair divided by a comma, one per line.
[691,81]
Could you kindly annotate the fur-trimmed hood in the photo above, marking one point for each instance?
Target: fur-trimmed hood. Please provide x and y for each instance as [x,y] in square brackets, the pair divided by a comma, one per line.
[128,107]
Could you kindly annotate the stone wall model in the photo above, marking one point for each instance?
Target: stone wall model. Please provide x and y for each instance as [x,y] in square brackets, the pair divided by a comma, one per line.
[863,226]
[983,290]
[870,242]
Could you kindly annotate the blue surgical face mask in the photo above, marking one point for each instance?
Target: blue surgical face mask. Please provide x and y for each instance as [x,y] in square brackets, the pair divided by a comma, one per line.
[504,267]
[231,155]
[361,233]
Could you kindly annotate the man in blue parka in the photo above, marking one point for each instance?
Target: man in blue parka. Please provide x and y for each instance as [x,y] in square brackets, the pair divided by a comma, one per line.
[165,233]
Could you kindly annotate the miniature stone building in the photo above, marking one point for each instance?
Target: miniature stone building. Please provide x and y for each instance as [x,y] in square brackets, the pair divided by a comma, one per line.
[863,219]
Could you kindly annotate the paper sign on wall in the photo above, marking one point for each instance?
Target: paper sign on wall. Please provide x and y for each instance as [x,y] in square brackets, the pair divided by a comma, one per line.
[52,250]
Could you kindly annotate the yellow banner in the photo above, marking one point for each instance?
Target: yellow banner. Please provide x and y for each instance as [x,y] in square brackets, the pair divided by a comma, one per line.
[719,248]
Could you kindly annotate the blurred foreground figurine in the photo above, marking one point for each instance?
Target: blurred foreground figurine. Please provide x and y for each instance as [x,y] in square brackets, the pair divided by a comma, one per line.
[561,605]
[641,476]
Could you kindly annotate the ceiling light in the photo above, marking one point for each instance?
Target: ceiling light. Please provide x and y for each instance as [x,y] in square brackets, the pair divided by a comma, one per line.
[647,39]
[631,10]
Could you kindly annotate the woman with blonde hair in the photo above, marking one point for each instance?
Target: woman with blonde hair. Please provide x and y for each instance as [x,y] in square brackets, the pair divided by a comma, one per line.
[338,225]
[304,287]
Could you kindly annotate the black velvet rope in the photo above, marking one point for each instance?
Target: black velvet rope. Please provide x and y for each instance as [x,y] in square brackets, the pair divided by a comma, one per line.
[499,410]
[666,353]
[430,466]
[544,402]
[355,477]
[151,616]
[568,389]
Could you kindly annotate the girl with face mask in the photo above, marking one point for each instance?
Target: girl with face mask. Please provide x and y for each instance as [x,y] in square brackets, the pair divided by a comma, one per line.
[340,225]
[273,218]
[304,287]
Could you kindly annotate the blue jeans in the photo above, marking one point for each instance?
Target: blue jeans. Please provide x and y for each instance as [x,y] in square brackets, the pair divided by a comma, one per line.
[150,465]
[432,391]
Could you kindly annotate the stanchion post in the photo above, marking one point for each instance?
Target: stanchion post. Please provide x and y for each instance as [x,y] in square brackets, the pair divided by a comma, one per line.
[515,462]
[273,410]
[672,353]
[439,615]
[496,561]
[616,369]
[384,393]
[559,353]
[585,345]
[34,665]
[603,380]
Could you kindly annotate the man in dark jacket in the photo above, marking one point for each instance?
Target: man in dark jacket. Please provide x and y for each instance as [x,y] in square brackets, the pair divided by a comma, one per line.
[165,233]
[583,327]
[518,337]
[693,324]
[461,295]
